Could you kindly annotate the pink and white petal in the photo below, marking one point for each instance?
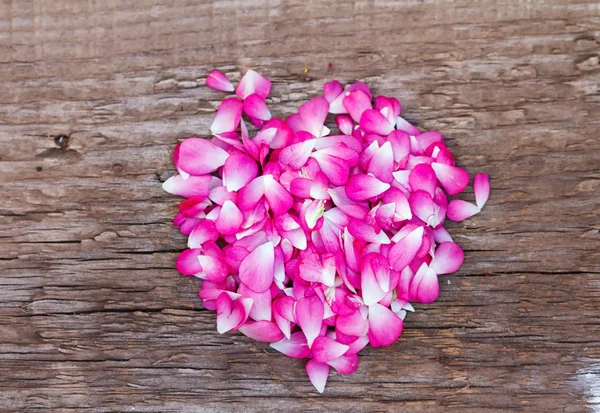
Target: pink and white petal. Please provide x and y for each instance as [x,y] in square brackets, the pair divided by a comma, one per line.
[423,177]
[334,168]
[402,209]
[346,364]
[257,269]
[448,258]
[227,117]
[250,195]
[401,179]
[262,303]
[325,349]
[230,219]
[441,234]
[350,252]
[331,90]
[217,80]
[452,178]
[317,373]
[365,232]
[481,187]
[231,314]
[352,325]
[295,347]
[352,208]
[337,106]
[348,141]
[380,266]
[424,287]
[280,200]
[284,306]
[193,186]
[253,82]
[459,210]
[187,262]
[220,194]
[309,315]
[422,206]
[356,103]
[426,139]
[362,187]
[384,326]
[214,268]
[400,141]
[373,121]
[204,231]
[199,156]
[370,289]
[313,114]
[264,331]
[357,345]
[381,164]
[403,124]
[238,171]
[255,107]
[283,133]
[405,250]
[362,86]
[297,154]
[345,124]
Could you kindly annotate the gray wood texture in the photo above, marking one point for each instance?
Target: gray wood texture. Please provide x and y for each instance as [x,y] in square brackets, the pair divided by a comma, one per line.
[93,315]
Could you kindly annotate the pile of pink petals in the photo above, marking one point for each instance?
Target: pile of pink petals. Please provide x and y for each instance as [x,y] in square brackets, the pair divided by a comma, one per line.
[313,241]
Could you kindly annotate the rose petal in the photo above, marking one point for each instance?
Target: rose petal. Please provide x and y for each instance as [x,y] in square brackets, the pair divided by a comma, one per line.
[309,314]
[384,326]
[453,179]
[448,258]
[317,373]
[199,156]
[257,269]
[362,187]
[459,210]
[481,187]
[253,82]
[325,349]
[217,80]
[265,331]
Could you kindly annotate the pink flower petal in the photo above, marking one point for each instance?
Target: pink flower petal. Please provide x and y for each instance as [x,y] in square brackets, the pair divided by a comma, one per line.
[309,314]
[264,331]
[352,208]
[295,347]
[227,117]
[424,287]
[352,325]
[313,114]
[336,169]
[423,177]
[453,179]
[315,268]
[459,210]
[384,326]
[448,258]
[331,90]
[426,139]
[199,156]
[317,373]
[405,250]
[230,219]
[255,107]
[400,141]
[238,171]
[280,134]
[346,364]
[356,346]
[345,124]
[250,195]
[257,269]
[280,200]
[217,80]
[341,143]
[402,124]
[203,231]
[297,154]
[362,187]
[253,82]
[187,262]
[214,268]
[356,103]
[422,206]
[372,121]
[188,188]
[363,231]
[381,164]
[325,349]
[231,314]
[371,290]
[481,186]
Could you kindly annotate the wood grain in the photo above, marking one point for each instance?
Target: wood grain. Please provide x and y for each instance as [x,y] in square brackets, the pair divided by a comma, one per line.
[93,315]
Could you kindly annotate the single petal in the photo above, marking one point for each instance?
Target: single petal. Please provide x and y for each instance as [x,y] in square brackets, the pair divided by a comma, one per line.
[341,142]
[346,364]
[356,346]
[238,171]
[337,106]
[230,219]
[381,164]
[424,287]
[481,186]
[352,208]
[231,314]
[255,107]
[217,80]
[402,124]
[297,154]
[363,231]
[250,195]
[199,156]
[425,140]
[227,117]
[453,179]
[448,258]
[257,269]
[280,134]
[405,250]
[204,231]
[334,168]
[295,347]
[423,177]
[187,262]
[214,268]
[264,331]
[345,124]
[441,234]
[362,86]
[400,141]
[372,121]
[402,209]
[313,114]
[253,82]
[309,314]
[331,90]
[362,187]
[193,186]
[422,206]
[280,200]
[356,103]
[325,349]
[353,324]
[459,210]
[384,326]
[371,290]
[317,373]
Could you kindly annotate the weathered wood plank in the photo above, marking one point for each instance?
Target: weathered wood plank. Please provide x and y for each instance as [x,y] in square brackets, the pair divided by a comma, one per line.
[93,316]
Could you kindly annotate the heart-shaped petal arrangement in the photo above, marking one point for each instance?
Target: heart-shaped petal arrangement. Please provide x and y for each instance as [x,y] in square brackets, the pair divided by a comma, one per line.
[317,242]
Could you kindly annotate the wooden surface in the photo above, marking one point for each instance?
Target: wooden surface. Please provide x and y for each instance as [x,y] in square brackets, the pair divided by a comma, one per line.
[93,315]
